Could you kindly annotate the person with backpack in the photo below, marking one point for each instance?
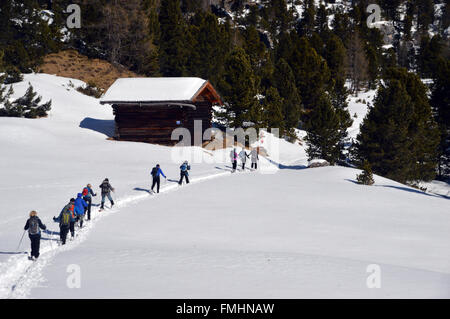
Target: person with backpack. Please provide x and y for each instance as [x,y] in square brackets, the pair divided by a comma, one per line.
[66,219]
[233,156]
[184,168]
[156,172]
[87,196]
[80,208]
[254,157]
[34,226]
[106,188]
[243,156]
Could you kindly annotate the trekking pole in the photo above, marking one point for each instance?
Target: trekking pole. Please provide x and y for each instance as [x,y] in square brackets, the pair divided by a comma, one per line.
[21,240]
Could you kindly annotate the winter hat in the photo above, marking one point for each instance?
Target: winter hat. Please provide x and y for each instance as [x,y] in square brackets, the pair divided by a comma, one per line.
[107,180]
[33,213]
[157,165]
[72,200]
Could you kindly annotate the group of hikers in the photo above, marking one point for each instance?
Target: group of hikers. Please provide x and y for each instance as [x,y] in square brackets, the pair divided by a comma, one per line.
[78,208]
[157,172]
[75,211]
[72,213]
[253,155]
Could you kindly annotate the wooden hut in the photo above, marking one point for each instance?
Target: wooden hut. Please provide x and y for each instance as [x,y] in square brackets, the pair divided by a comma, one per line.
[149,109]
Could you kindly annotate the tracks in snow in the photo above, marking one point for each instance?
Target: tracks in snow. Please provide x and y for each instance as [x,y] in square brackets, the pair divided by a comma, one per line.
[18,275]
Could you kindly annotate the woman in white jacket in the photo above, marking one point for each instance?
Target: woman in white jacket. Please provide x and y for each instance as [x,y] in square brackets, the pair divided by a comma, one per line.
[243,156]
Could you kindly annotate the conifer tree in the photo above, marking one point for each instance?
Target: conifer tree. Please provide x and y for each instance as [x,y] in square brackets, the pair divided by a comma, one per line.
[399,136]
[284,81]
[27,106]
[238,88]
[429,54]
[173,45]
[335,55]
[366,176]
[307,22]
[323,133]
[273,110]
[383,138]
[311,72]
[440,101]
[209,47]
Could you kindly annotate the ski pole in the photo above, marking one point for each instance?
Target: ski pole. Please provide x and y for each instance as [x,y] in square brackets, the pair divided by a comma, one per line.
[21,240]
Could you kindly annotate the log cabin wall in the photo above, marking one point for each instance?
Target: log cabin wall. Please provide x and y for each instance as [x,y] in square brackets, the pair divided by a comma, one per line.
[155,123]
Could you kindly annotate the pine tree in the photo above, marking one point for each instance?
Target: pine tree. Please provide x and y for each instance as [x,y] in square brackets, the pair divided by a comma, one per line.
[340,26]
[425,15]
[173,45]
[399,136]
[238,88]
[366,176]
[338,99]
[284,81]
[210,45]
[311,72]
[372,67]
[323,134]
[335,55]
[279,19]
[440,101]
[27,106]
[383,139]
[306,23]
[26,35]
[321,21]
[429,54]
[273,110]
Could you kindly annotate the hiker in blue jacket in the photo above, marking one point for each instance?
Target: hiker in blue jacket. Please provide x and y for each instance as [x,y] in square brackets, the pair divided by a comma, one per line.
[184,168]
[88,193]
[156,172]
[80,207]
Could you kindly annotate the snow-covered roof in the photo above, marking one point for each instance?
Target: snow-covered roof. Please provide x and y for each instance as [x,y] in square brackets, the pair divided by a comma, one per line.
[142,90]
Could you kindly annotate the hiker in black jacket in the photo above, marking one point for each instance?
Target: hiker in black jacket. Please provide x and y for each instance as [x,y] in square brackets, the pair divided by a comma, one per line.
[66,220]
[106,192]
[34,226]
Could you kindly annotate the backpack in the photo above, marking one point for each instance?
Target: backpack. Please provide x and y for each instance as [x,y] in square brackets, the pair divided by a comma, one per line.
[154,171]
[34,226]
[65,218]
[85,191]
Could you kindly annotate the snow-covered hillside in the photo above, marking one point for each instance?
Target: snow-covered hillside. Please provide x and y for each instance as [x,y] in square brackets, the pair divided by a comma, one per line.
[297,233]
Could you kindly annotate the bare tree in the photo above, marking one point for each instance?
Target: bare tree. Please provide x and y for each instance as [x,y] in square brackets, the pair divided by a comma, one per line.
[357,62]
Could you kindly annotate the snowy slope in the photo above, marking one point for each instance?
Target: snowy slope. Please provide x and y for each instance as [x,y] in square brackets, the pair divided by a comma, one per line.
[296,233]
[299,233]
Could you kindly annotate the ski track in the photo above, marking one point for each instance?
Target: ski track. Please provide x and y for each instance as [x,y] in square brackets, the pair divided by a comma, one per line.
[18,275]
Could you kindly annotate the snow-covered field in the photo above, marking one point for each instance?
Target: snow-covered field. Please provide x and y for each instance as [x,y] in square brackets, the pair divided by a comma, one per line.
[298,233]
